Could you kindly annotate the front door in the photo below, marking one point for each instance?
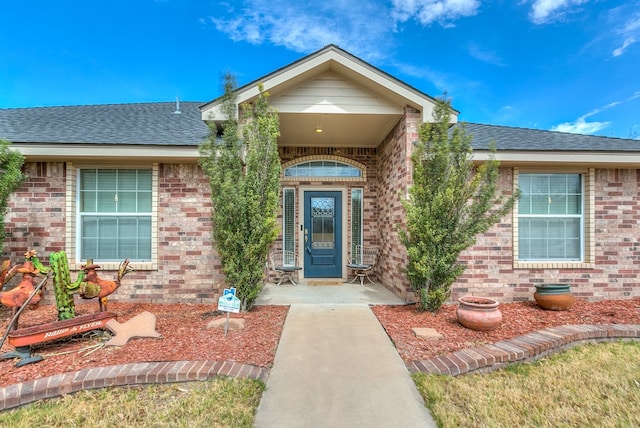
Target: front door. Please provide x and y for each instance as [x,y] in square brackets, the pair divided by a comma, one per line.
[322,234]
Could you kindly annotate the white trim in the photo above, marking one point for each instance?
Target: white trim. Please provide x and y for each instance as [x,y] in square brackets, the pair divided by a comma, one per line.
[562,158]
[73,215]
[581,217]
[90,152]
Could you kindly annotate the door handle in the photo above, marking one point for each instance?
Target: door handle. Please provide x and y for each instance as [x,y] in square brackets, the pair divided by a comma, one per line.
[308,249]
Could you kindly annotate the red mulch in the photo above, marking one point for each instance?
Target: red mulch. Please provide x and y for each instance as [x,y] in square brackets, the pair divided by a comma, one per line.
[187,337]
[517,319]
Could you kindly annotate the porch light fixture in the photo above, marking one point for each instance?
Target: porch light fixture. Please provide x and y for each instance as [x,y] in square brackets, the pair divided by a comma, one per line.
[319,127]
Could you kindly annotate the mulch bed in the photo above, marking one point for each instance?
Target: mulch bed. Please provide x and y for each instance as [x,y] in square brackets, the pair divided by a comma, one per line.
[517,319]
[187,337]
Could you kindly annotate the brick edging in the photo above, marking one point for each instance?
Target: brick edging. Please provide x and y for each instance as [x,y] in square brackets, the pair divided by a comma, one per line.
[124,374]
[525,348]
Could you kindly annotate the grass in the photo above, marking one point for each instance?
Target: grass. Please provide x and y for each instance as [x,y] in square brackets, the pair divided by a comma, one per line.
[587,386]
[221,402]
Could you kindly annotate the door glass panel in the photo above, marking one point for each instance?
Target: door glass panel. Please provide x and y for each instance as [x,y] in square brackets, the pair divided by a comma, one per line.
[322,222]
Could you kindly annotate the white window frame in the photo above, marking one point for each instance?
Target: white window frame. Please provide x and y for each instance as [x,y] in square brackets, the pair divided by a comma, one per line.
[359,243]
[587,224]
[73,239]
[288,221]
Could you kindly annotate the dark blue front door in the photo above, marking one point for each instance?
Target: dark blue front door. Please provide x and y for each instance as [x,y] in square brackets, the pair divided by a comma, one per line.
[322,234]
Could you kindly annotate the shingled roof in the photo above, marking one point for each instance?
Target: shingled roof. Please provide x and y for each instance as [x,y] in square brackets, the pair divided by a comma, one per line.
[158,124]
[138,124]
[522,139]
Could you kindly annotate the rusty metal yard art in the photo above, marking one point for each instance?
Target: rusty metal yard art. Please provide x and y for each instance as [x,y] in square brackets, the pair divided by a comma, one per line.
[28,292]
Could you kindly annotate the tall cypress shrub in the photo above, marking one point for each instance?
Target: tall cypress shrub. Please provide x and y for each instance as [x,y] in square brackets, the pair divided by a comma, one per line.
[450,202]
[244,173]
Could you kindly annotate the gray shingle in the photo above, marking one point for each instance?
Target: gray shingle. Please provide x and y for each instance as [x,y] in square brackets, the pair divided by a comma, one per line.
[522,139]
[157,124]
[144,123]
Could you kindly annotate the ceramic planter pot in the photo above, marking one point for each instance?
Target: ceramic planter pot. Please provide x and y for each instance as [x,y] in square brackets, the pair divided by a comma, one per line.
[554,297]
[479,313]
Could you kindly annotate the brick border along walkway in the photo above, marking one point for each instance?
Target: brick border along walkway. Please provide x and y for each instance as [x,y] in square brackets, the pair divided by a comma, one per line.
[481,358]
[125,374]
[525,348]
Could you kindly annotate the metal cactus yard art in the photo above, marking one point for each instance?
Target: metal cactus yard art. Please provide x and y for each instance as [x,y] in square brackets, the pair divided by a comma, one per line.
[88,285]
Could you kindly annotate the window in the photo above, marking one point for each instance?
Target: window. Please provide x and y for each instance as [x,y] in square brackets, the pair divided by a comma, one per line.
[288,223]
[322,168]
[115,209]
[356,222]
[551,217]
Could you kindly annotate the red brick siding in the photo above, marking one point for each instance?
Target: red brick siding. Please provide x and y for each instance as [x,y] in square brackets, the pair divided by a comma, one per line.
[617,259]
[188,268]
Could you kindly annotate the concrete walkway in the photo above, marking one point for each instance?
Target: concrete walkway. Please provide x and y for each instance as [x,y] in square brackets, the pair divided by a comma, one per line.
[336,367]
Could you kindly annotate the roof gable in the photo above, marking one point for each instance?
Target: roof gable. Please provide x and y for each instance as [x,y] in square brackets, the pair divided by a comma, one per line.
[331,60]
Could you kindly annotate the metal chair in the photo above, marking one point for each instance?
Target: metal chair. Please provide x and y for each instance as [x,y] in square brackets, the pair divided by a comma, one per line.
[285,264]
[362,263]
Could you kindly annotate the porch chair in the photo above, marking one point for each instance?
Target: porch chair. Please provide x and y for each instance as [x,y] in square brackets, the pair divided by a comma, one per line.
[362,263]
[285,264]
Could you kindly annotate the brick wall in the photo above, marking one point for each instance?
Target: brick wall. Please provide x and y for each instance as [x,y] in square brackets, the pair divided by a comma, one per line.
[490,265]
[394,170]
[188,268]
[617,250]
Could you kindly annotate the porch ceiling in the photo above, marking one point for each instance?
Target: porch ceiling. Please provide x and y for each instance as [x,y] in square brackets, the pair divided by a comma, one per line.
[338,130]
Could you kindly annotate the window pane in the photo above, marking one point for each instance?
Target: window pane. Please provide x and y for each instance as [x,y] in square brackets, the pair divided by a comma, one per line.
[539,204]
[356,221]
[127,202]
[322,169]
[558,205]
[549,238]
[88,179]
[288,220]
[555,203]
[88,201]
[144,202]
[106,202]
[128,227]
[574,183]
[574,204]
[127,179]
[144,179]
[558,184]
[107,179]
[112,236]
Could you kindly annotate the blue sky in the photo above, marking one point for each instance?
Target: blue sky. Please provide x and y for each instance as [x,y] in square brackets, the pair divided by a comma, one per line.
[568,65]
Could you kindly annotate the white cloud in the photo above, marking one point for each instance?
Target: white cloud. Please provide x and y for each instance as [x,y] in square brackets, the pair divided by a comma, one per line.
[430,11]
[629,34]
[545,11]
[294,25]
[625,44]
[485,55]
[581,126]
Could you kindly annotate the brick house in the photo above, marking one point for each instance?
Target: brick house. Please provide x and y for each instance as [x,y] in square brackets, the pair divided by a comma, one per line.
[114,181]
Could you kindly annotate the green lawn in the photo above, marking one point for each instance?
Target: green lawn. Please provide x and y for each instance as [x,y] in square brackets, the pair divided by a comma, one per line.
[587,386]
[216,403]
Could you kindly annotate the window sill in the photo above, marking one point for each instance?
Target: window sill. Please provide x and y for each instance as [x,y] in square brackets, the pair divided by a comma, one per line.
[553,265]
[139,266]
